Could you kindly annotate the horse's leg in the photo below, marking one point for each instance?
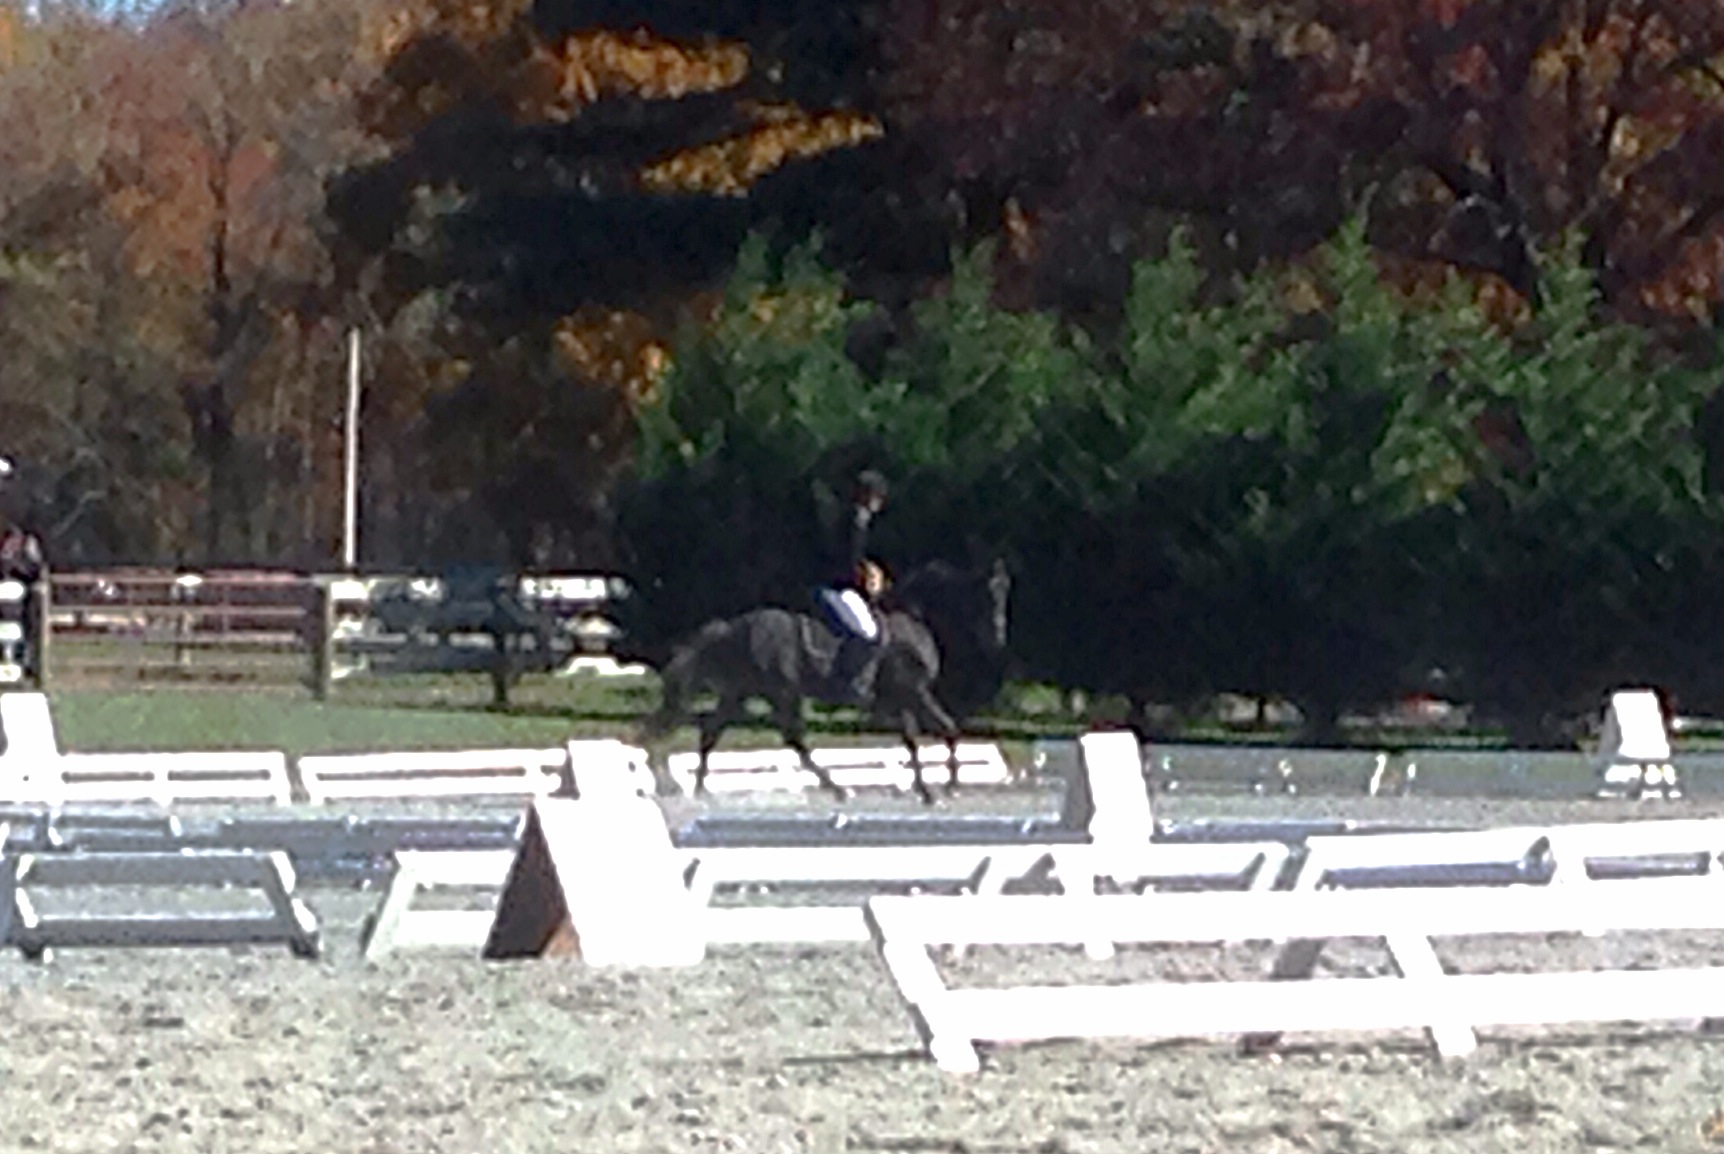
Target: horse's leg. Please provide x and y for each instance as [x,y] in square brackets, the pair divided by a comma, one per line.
[914,746]
[787,716]
[941,722]
[911,733]
[728,710]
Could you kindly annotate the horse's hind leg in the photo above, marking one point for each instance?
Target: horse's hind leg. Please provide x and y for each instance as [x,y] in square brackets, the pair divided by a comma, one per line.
[712,725]
[787,716]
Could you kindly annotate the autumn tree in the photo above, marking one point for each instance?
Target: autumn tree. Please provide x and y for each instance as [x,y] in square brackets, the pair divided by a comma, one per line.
[1500,127]
[171,332]
[1478,130]
[226,196]
[87,394]
[569,182]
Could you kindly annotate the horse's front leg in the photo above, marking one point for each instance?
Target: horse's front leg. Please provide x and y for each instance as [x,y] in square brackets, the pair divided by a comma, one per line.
[911,733]
[712,725]
[939,721]
[787,715]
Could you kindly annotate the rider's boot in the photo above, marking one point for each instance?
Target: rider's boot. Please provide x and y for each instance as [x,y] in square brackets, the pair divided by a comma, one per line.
[853,670]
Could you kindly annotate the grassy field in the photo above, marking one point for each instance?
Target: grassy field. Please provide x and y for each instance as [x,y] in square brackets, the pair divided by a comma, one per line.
[430,711]
[121,695]
[454,711]
[408,713]
[413,712]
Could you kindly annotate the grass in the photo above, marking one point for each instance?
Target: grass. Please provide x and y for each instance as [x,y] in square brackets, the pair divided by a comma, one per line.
[454,711]
[408,712]
[92,720]
[431,711]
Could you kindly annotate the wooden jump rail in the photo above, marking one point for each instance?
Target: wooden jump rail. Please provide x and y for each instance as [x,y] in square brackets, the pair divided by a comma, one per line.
[33,769]
[1577,856]
[1120,845]
[503,773]
[779,769]
[287,922]
[951,1022]
[398,926]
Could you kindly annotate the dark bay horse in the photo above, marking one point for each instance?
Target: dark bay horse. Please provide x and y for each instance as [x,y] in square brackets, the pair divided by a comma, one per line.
[785,658]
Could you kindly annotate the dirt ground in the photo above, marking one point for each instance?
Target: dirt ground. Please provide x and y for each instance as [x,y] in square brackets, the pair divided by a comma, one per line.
[793,1050]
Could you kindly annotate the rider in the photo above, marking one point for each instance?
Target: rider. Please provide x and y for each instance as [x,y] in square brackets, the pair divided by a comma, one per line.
[22,560]
[20,552]
[858,582]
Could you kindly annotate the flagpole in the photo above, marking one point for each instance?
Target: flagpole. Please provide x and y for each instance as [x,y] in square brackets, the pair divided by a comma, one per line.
[350,490]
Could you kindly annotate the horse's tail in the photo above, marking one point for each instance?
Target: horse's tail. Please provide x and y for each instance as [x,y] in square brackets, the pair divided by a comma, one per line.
[679,679]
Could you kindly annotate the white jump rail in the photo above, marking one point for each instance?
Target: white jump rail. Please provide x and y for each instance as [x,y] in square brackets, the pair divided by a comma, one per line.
[431,774]
[33,769]
[1121,847]
[398,926]
[980,869]
[871,767]
[287,921]
[952,1021]
[468,773]
[984,868]
[8,883]
[1570,847]
[170,778]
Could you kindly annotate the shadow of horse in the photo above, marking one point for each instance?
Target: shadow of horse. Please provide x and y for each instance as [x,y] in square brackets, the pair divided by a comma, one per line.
[786,658]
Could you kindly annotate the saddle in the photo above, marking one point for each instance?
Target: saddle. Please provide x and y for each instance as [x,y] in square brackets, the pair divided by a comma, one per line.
[820,639]
[825,642]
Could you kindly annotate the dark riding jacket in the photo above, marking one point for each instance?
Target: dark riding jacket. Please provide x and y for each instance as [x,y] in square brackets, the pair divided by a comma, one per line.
[855,547]
[21,556]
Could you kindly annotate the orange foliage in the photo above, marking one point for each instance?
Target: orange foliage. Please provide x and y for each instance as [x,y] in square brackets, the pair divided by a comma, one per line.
[592,65]
[728,167]
[475,27]
[1690,288]
[612,347]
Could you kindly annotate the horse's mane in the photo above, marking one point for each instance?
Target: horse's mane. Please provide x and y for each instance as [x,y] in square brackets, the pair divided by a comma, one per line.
[929,579]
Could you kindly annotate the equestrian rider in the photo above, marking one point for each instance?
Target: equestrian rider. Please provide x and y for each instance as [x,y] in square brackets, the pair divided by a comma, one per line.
[21,560]
[848,602]
[20,552]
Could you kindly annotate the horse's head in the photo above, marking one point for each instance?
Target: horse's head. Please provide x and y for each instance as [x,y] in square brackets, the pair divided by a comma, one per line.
[968,608]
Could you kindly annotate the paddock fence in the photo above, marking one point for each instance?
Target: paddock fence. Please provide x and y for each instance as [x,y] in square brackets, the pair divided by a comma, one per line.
[259,628]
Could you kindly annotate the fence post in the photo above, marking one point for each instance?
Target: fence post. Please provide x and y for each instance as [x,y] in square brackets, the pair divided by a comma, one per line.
[184,594]
[500,665]
[320,637]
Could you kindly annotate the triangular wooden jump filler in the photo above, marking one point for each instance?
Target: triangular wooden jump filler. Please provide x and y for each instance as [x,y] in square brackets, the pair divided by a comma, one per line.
[597,878]
[532,915]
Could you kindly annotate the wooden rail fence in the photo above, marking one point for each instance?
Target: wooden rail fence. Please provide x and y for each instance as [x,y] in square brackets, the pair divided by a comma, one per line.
[270,626]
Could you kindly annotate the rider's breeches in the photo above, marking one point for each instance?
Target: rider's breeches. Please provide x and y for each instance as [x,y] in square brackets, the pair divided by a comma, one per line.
[852,613]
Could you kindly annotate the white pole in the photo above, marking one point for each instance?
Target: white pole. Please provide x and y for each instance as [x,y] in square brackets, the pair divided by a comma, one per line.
[350,507]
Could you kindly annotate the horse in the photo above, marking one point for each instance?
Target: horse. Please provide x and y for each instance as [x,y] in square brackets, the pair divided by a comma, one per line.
[786,657]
